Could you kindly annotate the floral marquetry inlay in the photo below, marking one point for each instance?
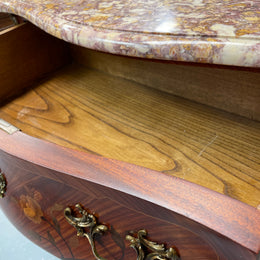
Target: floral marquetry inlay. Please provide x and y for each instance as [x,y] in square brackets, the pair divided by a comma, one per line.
[32,204]
[31,208]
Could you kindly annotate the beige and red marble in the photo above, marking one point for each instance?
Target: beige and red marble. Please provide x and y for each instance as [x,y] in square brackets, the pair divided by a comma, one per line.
[206,31]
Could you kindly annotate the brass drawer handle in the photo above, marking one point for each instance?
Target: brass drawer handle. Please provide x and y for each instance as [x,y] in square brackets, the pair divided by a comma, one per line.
[2,185]
[86,221]
[148,250]
[145,249]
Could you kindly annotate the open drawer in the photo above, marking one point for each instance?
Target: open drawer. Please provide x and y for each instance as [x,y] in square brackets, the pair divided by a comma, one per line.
[149,167]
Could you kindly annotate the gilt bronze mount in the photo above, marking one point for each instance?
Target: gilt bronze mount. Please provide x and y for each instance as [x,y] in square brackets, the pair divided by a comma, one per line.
[148,250]
[86,226]
[2,185]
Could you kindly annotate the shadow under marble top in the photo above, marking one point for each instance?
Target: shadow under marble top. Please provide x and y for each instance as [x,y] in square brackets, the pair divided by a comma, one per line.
[206,31]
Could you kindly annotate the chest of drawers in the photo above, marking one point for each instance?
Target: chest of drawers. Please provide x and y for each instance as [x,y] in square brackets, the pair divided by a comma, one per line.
[137,128]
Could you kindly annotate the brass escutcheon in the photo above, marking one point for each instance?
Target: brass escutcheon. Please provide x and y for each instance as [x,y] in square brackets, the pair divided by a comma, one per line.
[2,185]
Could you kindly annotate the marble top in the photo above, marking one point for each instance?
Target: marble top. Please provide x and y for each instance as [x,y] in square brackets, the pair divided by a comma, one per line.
[206,31]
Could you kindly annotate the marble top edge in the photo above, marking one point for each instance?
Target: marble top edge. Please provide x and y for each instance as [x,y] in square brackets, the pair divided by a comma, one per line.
[224,47]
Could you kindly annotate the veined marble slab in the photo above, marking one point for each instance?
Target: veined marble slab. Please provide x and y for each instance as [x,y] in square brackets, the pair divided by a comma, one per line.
[206,31]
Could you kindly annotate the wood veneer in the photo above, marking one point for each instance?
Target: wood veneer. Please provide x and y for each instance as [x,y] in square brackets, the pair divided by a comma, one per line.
[103,185]
[116,118]
[120,218]
[101,114]
[27,54]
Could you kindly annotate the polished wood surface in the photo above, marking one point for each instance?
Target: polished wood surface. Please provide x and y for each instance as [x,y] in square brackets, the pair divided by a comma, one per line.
[116,118]
[27,54]
[220,213]
[34,168]
[45,224]
[232,89]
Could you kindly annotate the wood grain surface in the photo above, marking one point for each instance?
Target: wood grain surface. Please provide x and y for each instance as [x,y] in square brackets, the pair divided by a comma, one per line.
[26,55]
[124,196]
[97,113]
[232,89]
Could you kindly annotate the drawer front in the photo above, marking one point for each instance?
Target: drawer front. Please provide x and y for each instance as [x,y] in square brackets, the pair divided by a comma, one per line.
[36,197]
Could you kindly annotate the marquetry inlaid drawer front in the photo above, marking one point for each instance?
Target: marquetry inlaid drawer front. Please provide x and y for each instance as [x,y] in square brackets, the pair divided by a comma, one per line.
[37,206]
[43,208]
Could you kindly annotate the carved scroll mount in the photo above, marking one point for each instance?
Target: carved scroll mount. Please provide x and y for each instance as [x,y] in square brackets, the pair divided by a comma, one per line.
[2,185]
[148,250]
[87,226]
[86,221]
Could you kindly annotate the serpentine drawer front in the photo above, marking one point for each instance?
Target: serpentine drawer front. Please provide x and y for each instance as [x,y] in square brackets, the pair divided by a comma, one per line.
[44,209]
[124,131]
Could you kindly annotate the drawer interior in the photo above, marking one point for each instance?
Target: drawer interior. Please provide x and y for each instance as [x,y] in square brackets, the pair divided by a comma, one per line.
[50,93]
[6,21]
